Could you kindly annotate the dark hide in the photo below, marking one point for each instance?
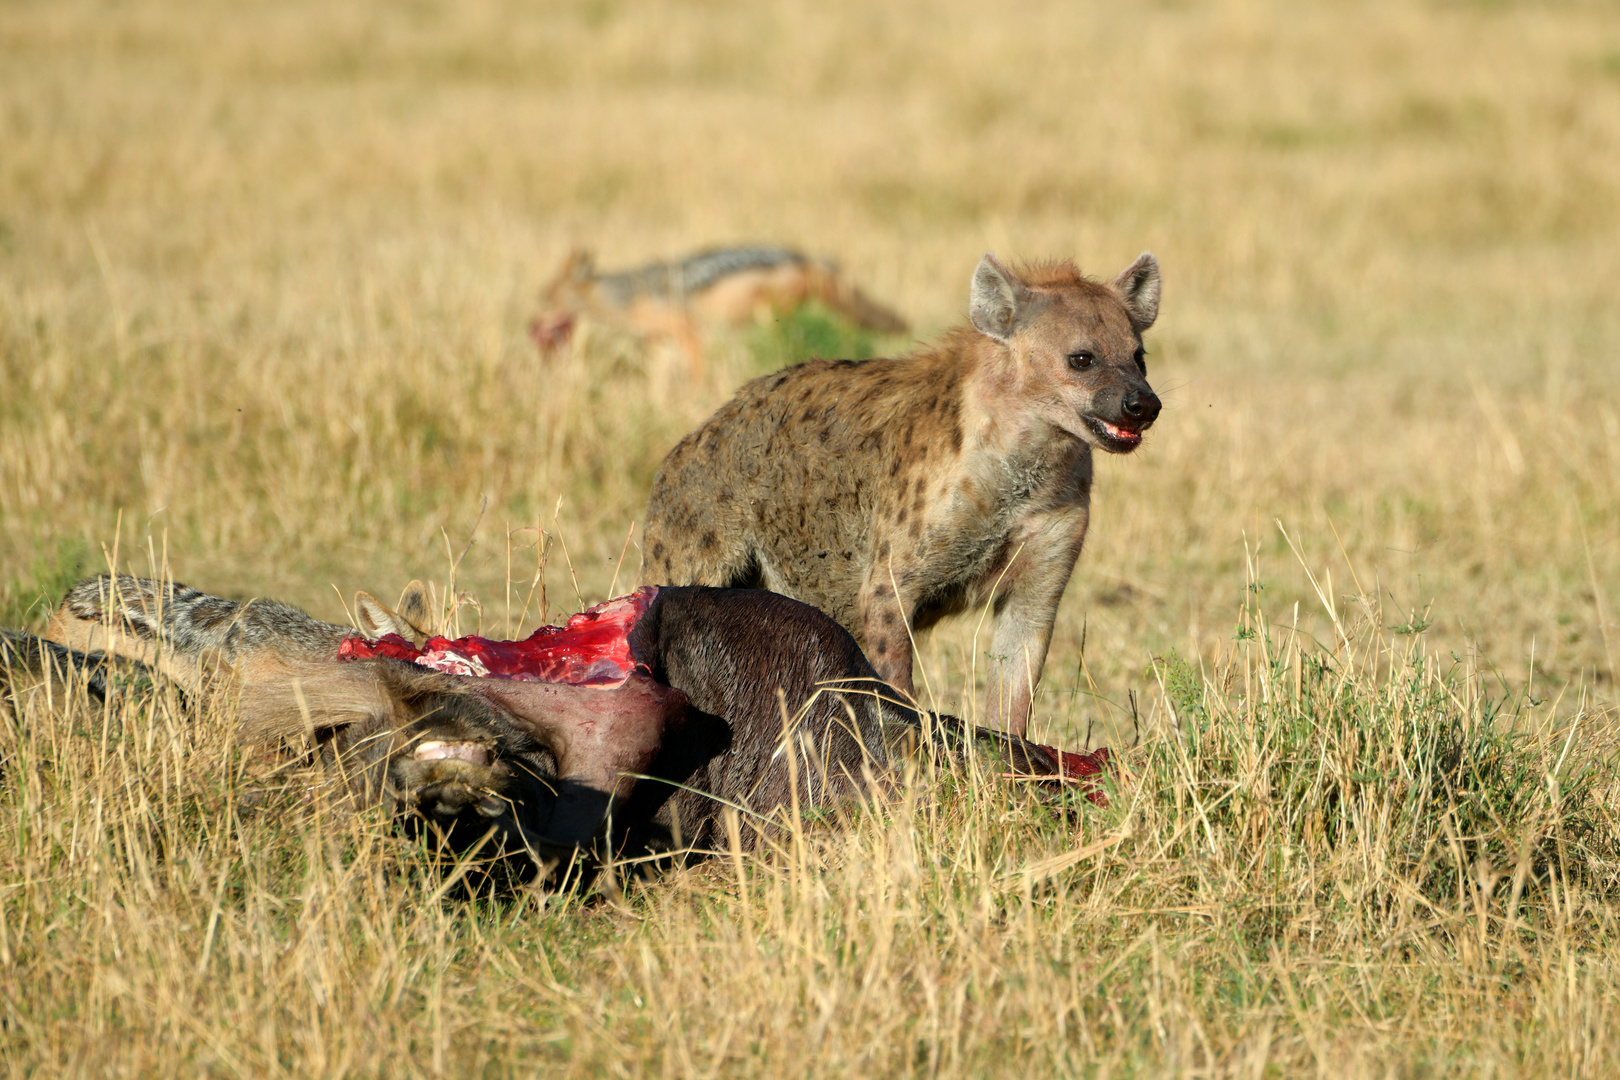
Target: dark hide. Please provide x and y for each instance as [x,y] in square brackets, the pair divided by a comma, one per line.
[741,656]
[655,761]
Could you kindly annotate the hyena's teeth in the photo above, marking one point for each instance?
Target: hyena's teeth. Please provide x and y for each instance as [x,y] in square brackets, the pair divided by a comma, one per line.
[433,750]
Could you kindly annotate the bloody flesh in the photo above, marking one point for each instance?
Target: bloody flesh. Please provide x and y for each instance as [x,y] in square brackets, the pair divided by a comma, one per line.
[590,649]
[593,649]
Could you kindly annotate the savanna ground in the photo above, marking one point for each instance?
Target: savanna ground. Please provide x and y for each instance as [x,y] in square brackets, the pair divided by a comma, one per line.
[264,279]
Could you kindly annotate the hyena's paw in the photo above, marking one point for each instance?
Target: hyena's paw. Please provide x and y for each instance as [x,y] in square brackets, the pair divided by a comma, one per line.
[450,779]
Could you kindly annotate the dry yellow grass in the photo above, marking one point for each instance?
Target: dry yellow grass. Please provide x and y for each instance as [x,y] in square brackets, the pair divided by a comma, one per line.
[264,276]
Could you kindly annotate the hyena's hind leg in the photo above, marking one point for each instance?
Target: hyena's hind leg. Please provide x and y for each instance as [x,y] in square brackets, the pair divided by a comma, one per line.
[697,535]
[722,563]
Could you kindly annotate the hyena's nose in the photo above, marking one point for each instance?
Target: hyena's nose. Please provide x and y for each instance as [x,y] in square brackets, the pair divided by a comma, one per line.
[1141,406]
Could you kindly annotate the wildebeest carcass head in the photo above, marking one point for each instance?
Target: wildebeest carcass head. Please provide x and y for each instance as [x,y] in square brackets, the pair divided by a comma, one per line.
[547,767]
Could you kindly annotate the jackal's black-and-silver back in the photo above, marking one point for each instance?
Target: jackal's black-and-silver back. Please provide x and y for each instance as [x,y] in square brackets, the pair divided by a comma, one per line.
[694,273]
[174,626]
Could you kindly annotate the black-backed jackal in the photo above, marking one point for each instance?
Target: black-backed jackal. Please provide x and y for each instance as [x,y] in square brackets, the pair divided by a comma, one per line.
[682,299]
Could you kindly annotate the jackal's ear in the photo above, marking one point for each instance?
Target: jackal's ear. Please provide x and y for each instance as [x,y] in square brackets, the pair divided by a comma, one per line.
[413,608]
[997,298]
[577,269]
[1138,286]
[375,620]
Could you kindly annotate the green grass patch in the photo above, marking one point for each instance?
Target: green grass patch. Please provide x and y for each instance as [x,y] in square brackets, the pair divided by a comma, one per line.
[29,599]
[811,331]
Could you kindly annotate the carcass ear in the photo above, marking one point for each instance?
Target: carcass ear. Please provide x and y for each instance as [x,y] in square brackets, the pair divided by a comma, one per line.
[375,620]
[996,299]
[413,608]
[1138,287]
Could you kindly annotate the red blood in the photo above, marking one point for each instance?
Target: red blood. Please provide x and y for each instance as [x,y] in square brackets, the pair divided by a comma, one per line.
[552,331]
[591,649]
[1077,765]
[1074,768]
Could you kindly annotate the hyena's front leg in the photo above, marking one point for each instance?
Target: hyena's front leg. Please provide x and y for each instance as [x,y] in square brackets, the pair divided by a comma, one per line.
[1023,630]
[1016,654]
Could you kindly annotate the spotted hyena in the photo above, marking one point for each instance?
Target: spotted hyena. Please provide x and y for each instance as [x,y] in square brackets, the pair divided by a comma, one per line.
[891,493]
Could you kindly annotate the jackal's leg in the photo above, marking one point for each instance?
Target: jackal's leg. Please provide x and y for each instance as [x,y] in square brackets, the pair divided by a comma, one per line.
[686,336]
[673,323]
[24,655]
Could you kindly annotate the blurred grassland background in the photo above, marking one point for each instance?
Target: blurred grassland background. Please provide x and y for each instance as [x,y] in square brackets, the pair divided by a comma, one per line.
[265,274]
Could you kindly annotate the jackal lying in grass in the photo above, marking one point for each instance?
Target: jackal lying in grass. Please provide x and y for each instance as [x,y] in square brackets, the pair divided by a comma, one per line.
[678,300]
[660,708]
[891,493]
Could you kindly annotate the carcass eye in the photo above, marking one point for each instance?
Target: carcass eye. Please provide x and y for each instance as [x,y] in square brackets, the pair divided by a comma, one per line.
[1141,359]
[1082,359]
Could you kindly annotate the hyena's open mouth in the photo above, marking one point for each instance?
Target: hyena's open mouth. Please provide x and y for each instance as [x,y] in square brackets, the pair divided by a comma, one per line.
[1115,437]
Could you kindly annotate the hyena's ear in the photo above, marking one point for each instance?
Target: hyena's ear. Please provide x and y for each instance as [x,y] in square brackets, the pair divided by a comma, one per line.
[997,299]
[376,620]
[413,608]
[1138,286]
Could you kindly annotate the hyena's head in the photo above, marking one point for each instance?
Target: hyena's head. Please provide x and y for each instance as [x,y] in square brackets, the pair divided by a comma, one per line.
[1075,345]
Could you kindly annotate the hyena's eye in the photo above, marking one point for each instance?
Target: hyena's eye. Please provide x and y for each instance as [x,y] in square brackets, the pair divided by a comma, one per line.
[1082,359]
[1141,359]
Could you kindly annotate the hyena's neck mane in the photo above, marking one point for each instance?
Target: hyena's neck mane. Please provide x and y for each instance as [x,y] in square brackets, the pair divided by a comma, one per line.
[952,360]
[985,393]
